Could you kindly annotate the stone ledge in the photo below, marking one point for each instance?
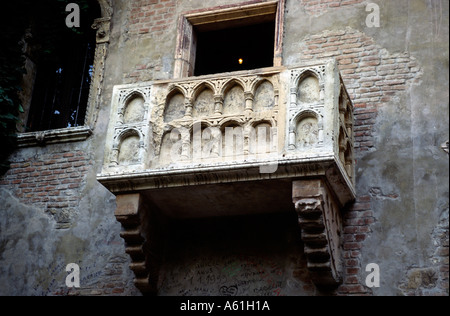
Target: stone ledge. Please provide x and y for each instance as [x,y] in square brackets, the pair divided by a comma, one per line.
[56,136]
[326,166]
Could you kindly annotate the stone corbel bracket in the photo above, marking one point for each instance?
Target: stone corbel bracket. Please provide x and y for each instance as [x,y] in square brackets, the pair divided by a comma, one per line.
[321,225]
[102,25]
[140,231]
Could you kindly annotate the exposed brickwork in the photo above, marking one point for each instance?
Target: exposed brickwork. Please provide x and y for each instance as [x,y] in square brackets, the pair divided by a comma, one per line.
[372,77]
[431,280]
[442,255]
[357,221]
[151,16]
[51,182]
[318,7]
[54,182]
[371,74]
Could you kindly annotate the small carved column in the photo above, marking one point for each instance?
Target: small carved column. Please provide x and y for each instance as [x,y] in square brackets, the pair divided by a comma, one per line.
[114,159]
[189,105]
[142,242]
[293,98]
[276,96]
[218,104]
[185,145]
[248,102]
[321,225]
[292,138]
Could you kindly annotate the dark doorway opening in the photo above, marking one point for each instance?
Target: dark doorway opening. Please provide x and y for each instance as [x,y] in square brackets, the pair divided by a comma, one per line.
[233,49]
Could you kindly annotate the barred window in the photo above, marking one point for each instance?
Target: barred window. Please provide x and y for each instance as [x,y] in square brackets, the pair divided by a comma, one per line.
[62,59]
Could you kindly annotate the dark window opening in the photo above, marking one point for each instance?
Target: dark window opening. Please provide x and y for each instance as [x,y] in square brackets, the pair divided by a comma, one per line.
[64,65]
[234,49]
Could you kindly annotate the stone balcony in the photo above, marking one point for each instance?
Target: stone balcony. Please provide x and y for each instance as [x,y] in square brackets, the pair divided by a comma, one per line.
[257,141]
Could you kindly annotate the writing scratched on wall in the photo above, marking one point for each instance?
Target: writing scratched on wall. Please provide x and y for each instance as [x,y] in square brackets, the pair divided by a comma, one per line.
[51,279]
[225,276]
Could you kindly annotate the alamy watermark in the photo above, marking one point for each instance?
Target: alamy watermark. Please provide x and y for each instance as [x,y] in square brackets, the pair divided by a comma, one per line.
[373,278]
[73,278]
[373,19]
[73,19]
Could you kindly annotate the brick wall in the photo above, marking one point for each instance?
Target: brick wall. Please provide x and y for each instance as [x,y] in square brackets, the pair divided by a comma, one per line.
[357,221]
[372,76]
[441,256]
[52,182]
[151,16]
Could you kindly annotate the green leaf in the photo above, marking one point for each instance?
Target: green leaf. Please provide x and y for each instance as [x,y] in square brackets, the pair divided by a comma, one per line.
[8,116]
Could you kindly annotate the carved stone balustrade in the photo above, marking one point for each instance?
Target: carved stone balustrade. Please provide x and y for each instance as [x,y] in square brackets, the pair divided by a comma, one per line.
[234,143]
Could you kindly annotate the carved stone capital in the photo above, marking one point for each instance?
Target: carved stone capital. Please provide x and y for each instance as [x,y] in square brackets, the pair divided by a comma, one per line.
[102,25]
[320,223]
[218,104]
[189,105]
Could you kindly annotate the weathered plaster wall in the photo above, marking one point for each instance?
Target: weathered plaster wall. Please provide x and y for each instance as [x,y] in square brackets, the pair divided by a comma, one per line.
[397,76]
[54,212]
[50,220]
[243,255]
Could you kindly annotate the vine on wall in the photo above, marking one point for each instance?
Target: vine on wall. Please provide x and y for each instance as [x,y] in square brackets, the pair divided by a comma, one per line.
[12,69]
